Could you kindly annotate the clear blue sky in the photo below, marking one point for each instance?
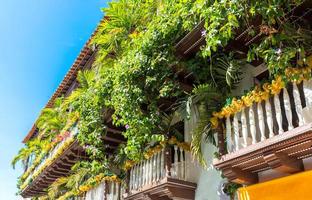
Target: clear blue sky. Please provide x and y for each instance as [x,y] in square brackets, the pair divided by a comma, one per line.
[39,40]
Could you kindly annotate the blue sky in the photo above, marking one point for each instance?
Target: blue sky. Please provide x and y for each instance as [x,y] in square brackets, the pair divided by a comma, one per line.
[39,40]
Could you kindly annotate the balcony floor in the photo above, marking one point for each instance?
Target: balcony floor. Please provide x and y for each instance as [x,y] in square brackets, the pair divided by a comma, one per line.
[166,189]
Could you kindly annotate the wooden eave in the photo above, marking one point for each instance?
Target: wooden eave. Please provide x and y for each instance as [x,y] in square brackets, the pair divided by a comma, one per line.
[283,153]
[191,43]
[166,189]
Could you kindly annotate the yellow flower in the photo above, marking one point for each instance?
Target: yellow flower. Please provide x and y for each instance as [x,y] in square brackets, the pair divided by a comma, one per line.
[214,122]
[218,115]
[277,85]
[172,140]
[237,105]
[247,99]
[264,95]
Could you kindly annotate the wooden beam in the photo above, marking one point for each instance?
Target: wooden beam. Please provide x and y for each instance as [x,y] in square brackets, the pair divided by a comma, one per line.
[282,162]
[239,176]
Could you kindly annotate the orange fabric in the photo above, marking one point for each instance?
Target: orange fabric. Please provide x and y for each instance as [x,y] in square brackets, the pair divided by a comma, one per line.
[294,187]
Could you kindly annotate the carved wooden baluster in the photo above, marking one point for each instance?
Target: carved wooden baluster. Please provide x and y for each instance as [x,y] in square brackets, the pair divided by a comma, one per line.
[298,104]
[269,119]
[162,163]
[182,161]
[229,134]
[131,179]
[154,168]
[261,121]
[146,172]
[150,171]
[176,167]
[307,90]
[252,125]
[278,111]
[244,127]
[288,109]
[117,189]
[112,191]
[143,172]
[139,176]
[135,177]
[236,132]
[157,166]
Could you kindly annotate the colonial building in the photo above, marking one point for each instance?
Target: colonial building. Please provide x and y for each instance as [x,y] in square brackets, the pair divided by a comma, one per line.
[264,137]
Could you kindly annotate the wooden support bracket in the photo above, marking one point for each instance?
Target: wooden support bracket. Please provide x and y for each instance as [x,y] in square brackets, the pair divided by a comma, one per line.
[282,162]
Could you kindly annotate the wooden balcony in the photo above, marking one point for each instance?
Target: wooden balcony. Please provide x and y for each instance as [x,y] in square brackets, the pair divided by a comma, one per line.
[59,167]
[273,135]
[105,191]
[164,176]
[60,163]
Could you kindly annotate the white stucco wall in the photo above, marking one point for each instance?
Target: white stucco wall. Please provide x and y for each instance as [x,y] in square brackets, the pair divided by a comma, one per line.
[209,179]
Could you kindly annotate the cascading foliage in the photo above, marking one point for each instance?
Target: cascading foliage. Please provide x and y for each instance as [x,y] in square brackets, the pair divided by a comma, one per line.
[136,61]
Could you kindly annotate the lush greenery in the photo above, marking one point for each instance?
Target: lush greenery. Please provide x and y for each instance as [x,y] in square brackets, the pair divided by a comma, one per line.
[137,68]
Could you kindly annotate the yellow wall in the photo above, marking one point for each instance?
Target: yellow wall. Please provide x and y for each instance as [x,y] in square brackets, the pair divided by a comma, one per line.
[294,187]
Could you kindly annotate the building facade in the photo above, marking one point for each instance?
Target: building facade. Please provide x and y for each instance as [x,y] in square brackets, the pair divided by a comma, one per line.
[263,136]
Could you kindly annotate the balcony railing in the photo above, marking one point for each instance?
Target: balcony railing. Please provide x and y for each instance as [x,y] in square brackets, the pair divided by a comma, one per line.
[51,155]
[273,133]
[279,113]
[107,190]
[171,163]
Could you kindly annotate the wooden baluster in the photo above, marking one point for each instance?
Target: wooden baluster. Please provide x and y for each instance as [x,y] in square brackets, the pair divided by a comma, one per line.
[182,161]
[244,128]
[156,167]
[136,177]
[269,119]
[131,179]
[116,191]
[159,166]
[148,172]
[261,121]
[288,109]
[150,175]
[278,111]
[112,190]
[145,172]
[162,163]
[307,90]
[140,175]
[252,125]
[236,132]
[176,168]
[229,141]
[298,104]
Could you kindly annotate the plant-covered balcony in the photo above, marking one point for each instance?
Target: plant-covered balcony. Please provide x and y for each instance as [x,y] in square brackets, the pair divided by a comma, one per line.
[57,162]
[268,128]
[164,174]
